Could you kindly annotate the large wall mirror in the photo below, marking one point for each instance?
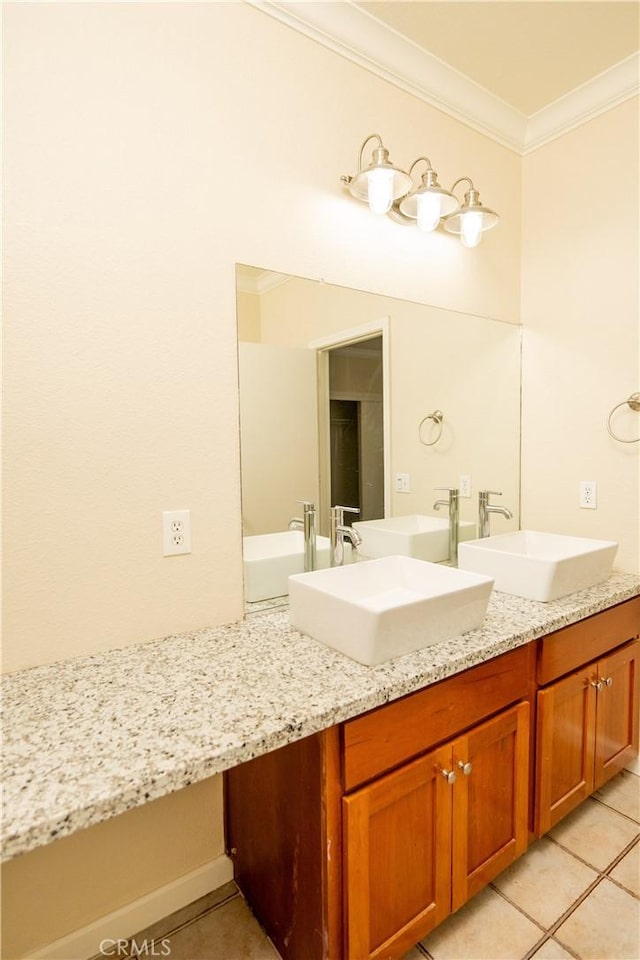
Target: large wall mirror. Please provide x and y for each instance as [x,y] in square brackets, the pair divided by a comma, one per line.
[338,388]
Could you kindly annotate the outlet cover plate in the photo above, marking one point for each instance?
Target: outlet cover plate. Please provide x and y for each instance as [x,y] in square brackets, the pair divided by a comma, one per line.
[588,495]
[176,532]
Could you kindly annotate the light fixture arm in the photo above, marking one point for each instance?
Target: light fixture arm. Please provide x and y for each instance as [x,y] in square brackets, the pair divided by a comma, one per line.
[372,136]
[416,162]
[471,197]
[462,180]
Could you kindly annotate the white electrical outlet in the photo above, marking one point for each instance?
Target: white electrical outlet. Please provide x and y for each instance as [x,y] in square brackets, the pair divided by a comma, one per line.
[465,485]
[176,532]
[403,483]
[589,494]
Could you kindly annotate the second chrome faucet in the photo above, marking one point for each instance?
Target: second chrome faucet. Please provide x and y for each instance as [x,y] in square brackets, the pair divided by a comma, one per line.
[339,532]
[453,503]
[307,523]
[485,509]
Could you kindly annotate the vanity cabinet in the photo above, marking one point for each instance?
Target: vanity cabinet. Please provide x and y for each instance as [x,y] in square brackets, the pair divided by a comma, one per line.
[419,842]
[359,840]
[588,704]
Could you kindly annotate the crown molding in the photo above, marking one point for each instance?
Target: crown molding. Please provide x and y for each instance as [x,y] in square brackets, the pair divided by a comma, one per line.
[262,283]
[357,35]
[596,96]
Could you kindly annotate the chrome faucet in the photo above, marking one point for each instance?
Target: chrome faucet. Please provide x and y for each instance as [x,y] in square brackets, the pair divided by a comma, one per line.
[453,503]
[485,509]
[307,523]
[339,532]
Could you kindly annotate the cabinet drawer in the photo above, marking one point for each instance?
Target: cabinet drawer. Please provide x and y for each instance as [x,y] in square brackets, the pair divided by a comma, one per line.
[390,735]
[570,648]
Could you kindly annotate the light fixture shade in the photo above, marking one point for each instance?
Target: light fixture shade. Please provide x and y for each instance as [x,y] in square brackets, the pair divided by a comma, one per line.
[381,182]
[427,203]
[471,220]
[482,215]
[440,202]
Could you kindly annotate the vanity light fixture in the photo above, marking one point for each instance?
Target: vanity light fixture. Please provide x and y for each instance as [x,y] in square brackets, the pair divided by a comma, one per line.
[390,190]
[380,183]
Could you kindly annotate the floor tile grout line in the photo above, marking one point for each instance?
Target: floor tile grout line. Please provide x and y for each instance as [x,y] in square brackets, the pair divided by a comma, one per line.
[627,816]
[602,875]
[555,926]
[549,932]
[614,864]
[186,923]
[605,803]
[524,913]
[621,886]
[610,865]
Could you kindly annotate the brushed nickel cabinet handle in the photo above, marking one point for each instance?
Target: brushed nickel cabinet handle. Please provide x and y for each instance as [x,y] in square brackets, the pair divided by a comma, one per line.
[449,775]
[466,767]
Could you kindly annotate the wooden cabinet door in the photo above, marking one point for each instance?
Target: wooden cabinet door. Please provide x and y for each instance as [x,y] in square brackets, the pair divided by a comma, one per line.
[617,712]
[397,848]
[490,801]
[565,746]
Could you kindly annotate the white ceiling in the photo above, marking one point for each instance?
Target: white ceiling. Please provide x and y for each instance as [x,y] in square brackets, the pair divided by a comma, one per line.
[521,72]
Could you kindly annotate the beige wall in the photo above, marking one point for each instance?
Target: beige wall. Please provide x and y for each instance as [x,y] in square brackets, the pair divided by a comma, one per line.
[279,434]
[144,157]
[580,303]
[467,366]
[248,308]
[144,160]
[80,878]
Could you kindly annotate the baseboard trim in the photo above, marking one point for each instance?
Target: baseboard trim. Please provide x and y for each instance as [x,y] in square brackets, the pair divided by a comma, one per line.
[139,914]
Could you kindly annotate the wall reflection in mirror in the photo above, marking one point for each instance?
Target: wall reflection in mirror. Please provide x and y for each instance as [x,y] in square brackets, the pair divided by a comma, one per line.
[338,388]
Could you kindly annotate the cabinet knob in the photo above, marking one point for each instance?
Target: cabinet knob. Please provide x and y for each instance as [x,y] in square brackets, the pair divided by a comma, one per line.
[449,775]
[606,681]
[596,683]
[465,767]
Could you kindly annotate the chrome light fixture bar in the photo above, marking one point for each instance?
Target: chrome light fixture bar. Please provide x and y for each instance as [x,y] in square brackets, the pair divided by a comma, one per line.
[389,190]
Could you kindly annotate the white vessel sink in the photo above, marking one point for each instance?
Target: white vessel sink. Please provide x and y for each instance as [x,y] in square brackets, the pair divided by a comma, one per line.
[270,559]
[419,536]
[378,609]
[539,566]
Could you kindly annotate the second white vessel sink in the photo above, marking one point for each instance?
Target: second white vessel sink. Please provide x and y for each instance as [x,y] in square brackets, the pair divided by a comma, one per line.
[270,558]
[539,566]
[416,535]
[378,609]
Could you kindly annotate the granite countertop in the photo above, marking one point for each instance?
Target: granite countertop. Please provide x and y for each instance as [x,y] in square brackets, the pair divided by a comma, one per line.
[89,738]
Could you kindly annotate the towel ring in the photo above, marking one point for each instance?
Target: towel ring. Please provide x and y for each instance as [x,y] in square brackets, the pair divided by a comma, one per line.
[437,416]
[634,402]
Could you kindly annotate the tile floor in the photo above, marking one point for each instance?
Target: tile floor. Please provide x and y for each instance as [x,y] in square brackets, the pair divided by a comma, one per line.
[575,893]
